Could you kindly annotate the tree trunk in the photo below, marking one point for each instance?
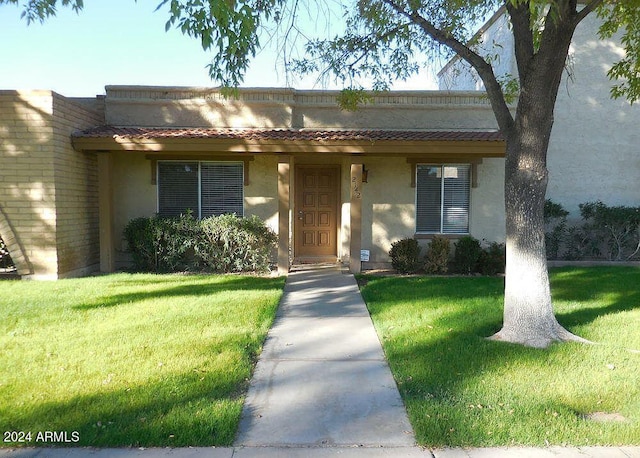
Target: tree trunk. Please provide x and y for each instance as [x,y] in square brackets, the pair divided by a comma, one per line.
[529,318]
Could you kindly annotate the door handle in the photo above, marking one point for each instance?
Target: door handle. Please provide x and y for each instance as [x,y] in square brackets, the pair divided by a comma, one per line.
[300,215]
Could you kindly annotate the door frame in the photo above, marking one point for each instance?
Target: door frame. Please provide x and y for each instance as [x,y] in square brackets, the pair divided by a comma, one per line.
[297,256]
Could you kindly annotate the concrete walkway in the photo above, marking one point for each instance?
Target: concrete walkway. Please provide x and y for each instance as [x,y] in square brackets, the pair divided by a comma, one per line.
[322,379]
[321,389]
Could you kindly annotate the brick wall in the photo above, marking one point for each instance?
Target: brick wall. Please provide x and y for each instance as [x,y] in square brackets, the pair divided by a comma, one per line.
[76,189]
[27,193]
[45,186]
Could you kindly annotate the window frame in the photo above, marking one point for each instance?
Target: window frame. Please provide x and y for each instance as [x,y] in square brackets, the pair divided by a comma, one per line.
[187,161]
[469,185]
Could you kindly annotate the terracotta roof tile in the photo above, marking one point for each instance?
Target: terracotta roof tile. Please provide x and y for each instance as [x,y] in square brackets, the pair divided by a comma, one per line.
[288,134]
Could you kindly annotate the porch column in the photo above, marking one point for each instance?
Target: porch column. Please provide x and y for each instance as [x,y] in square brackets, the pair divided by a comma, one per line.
[355,245]
[105,205]
[283,216]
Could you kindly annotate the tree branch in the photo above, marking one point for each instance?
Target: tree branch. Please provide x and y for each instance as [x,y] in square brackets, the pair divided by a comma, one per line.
[523,37]
[484,69]
[588,9]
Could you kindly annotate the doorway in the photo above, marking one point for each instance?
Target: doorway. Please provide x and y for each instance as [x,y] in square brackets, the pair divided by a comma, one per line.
[316,213]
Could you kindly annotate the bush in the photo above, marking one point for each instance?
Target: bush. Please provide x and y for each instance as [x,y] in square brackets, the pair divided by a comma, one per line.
[555,223]
[224,243]
[437,257]
[229,243]
[492,259]
[617,227]
[467,254]
[160,244]
[405,256]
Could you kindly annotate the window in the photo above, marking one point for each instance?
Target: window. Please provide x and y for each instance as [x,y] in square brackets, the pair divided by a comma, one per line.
[442,199]
[205,188]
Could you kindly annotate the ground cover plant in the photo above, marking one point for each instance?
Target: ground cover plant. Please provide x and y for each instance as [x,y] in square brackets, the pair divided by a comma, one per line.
[463,390]
[131,360]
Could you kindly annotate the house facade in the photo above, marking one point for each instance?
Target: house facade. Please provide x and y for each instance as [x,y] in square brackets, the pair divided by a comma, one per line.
[334,185]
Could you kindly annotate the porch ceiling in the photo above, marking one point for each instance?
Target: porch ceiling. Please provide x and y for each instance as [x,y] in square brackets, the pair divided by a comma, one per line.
[290,141]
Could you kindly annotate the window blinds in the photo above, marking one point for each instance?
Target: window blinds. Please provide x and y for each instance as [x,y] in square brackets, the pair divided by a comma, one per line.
[442,199]
[177,188]
[205,188]
[221,189]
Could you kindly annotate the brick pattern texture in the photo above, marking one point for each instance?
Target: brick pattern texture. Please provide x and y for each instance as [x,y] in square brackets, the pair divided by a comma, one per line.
[48,191]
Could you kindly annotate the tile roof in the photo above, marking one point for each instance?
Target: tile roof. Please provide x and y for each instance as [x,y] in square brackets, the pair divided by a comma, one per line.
[320,135]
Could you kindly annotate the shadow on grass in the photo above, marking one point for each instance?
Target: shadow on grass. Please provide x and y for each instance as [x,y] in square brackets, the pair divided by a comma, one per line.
[444,365]
[178,410]
[614,289]
[163,287]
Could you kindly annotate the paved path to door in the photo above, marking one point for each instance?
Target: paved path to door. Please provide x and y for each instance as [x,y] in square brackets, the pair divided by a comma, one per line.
[322,379]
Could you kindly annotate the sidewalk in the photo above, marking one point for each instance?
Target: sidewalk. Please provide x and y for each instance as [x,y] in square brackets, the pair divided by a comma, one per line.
[322,379]
[322,388]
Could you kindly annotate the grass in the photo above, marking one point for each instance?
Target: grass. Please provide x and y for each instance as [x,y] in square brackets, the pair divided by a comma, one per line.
[132,360]
[463,390]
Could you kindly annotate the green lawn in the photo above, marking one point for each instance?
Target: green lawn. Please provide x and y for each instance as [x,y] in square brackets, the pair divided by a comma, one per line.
[132,360]
[463,390]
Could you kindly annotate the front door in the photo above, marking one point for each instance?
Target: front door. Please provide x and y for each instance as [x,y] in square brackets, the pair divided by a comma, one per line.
[316,211]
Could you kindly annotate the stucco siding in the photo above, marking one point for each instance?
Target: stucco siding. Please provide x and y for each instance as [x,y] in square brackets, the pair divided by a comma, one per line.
[134,194]
[487,202]
[388,206]
[594,152]
[261,195]
[287,108]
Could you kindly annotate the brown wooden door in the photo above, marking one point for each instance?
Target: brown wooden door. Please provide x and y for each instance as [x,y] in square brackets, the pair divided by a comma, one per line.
[316,211]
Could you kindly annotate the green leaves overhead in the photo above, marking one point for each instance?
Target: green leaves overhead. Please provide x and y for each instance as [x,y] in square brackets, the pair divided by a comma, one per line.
[228,28]
[623,18]
[39,10]
[383,40]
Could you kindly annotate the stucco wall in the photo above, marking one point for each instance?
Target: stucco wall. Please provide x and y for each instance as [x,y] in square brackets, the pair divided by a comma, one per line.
[388,203]
[287,108]
[135,196]
[594,153]
[47,200]
[595,143]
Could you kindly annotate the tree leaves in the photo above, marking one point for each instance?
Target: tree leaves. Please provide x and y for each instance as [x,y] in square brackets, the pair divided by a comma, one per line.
[623,19]
[40,10]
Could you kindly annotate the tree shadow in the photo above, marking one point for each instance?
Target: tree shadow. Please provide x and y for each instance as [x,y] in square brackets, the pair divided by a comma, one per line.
[444,365]
[616,291]
[163,287]
[186,409]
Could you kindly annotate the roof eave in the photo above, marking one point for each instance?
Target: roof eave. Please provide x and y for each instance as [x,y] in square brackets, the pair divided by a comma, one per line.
[479,148]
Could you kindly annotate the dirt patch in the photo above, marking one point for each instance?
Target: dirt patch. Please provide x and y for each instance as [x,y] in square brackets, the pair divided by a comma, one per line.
[605,417]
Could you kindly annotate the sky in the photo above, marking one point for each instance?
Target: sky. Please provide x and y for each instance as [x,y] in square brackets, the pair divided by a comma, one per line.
[121,42]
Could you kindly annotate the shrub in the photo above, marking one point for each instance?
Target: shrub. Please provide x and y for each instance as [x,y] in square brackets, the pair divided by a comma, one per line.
[229,243]
[618,227]
[555,223]
[224,243]
[437,257]
[405,256]
[467,254]
[160,244]
[492,259]
[581,242]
